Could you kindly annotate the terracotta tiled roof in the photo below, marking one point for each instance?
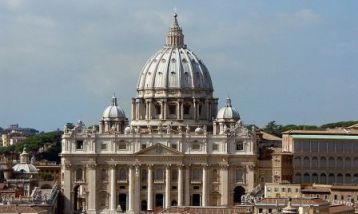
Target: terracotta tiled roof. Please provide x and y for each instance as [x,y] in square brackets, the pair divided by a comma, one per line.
[340,208]
[267,136]
[295,201]
[338,131]
[21,209]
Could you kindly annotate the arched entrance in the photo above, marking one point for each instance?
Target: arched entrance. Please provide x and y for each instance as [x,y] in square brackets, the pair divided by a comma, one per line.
[78,199]
[122,201]
[238,192]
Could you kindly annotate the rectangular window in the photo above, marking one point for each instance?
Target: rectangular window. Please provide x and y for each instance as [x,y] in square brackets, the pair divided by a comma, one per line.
[239,175]
[172,109]
[79,144]
[143,146]
[283,190]
[239,146]
[174,146]
[104,146]
[122,146]
[288,189]
[276,189]
[195,146]
[196,175]
[215,147]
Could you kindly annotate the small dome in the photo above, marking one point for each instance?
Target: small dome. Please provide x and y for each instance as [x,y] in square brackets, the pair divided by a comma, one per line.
[127,130]
[113,111]
[199,130]
[228,112]
[25,168]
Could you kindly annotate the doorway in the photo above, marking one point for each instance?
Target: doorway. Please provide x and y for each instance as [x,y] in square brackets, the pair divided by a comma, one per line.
[122,201]
[159,199]
[238,192]
[195,200]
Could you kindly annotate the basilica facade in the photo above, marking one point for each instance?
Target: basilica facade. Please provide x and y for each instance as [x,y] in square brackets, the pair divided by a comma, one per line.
[177,149]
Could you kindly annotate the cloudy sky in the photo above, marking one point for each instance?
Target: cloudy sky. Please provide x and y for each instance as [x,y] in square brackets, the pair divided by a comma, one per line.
[289,61]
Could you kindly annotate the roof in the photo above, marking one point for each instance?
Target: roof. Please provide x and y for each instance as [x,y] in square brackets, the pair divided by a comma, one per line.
[228,112]
[337,131]
[267,136]
[295,202]
[113,111]
[21,209]
[340,208]
[330,137]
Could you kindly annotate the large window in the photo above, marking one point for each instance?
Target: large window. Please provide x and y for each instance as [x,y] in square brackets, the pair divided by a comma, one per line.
[159,174]
[79,144]
[196,174]
[79,174]
[122,145]
[172,108]
[186,109]
[122,174]
[239,175]
[239,146]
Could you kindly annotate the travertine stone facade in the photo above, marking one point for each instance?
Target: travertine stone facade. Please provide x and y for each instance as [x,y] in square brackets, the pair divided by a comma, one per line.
[175,152]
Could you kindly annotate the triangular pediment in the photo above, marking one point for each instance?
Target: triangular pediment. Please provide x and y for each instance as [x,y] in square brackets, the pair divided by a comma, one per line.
[158,149]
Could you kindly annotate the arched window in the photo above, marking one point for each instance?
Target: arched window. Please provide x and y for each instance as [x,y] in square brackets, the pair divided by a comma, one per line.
[298,178]
[323,178]
[348,163]
[297,162]
[323,162]
[331,178]
[355,179]
[306,178]
[331,162]
[306,162]
[186,109]
[172,108]
[348,179]
[79,174]
[340,178]
[158,108]
[339,163]
[314,178]
[314,163]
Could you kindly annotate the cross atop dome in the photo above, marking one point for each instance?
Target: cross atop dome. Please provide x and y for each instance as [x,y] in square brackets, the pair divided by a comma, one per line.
[175,36]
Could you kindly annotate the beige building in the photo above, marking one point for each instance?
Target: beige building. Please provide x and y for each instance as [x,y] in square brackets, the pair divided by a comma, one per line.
[282,190]
[178,149]
[326,157]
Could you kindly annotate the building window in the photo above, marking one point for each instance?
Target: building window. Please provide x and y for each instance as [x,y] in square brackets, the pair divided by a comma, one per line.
[239,146]
[104,146]
[195,175]
[122,146]
[276,189]
[172,108]
[283,190]
[174,174]
[215,147]
[195,146]
[186,109]
[79,175]
[122,174]
[239,175]
[143,146]
[268,189]
[288,189]
[159,174]
[79,144]
[158,109]
[174,146]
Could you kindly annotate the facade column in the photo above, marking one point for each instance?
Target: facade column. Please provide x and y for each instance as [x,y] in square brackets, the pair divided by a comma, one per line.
[67,188]
[182,110]
[205,187]
[162,110]
[133,109]
[180,186]
[187,186]
[167,187]
[224,185]
[137,189]
[195,109]
[131,189]
[113,195]
[165,109]
[178,110]
[150,110]
[150,189]
[92,188]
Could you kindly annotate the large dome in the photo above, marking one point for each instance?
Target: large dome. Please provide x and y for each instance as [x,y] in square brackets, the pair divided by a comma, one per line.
[175,67]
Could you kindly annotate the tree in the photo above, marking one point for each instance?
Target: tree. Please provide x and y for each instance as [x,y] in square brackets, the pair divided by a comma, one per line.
[273,128]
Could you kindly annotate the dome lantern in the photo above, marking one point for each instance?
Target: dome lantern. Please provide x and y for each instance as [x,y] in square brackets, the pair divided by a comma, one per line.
[175,36]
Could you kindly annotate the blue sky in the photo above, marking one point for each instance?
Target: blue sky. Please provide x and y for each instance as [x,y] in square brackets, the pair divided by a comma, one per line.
[289,61]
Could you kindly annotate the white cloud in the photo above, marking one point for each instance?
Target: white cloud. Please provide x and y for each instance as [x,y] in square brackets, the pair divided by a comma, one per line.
[308,15]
